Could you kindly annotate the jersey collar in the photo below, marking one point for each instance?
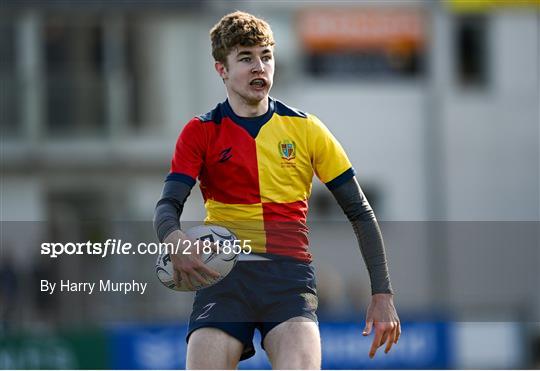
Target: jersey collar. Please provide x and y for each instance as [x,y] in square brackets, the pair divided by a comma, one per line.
[251,124]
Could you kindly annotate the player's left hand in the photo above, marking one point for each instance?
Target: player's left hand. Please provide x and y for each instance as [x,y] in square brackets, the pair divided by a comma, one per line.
[382,316]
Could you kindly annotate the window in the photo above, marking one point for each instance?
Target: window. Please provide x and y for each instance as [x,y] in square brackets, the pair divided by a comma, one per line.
[136,78]
[75,86]
[10,87]
[471,50]
[94,72]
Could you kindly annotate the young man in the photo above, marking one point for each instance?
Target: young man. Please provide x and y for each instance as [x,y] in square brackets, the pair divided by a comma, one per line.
[255,158]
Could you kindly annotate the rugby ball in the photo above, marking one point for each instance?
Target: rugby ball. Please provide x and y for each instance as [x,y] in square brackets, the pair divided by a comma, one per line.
[223,261]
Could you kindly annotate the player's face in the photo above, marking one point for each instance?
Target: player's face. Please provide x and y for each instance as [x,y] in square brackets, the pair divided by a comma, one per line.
[249,73]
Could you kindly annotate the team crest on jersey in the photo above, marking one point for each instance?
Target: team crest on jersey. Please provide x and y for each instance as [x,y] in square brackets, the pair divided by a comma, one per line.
[287,151]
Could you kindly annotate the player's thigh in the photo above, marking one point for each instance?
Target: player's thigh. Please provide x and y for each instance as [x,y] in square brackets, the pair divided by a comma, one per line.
[294,344]
[211,348]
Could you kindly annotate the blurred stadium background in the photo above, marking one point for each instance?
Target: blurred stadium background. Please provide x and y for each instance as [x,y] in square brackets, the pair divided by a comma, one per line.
[436,103]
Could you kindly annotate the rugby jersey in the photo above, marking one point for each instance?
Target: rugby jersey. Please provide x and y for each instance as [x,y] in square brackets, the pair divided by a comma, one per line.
[255,174]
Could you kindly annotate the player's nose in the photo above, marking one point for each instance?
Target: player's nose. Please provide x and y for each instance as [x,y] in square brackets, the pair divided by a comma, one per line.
[258,66]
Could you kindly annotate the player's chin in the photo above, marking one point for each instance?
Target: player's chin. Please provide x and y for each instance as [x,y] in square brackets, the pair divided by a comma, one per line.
[258,95]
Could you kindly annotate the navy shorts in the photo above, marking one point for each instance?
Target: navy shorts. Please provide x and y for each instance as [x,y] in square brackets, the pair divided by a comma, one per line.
[256,295]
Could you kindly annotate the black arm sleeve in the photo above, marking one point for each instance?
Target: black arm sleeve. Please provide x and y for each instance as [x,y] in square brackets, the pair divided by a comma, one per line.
[350,197]
[169,208]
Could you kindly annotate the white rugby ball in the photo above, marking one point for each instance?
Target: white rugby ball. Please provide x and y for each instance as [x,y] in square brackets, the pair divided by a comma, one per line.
[222,262]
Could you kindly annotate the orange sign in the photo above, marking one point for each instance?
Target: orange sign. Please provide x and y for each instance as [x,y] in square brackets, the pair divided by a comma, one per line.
[361,28]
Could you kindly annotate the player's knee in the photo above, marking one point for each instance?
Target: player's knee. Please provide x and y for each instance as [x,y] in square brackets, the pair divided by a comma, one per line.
[306,358]
[211,348]
[300,359]
[294,344]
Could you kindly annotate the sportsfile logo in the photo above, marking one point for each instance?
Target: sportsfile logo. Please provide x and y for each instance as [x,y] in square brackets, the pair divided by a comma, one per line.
[119,247]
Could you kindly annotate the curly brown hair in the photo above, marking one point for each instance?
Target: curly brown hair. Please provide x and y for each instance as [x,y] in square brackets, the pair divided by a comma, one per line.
[239,29]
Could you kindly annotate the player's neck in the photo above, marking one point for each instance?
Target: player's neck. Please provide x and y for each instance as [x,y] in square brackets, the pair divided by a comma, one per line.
[243,109]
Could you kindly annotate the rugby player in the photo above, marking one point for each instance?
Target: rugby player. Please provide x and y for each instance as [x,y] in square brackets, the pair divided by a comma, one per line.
[255,158]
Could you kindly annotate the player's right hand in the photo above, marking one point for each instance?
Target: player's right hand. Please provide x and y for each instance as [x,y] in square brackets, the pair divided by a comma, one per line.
[187,262]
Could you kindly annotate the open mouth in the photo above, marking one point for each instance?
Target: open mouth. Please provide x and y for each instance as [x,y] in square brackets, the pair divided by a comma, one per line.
[258,83]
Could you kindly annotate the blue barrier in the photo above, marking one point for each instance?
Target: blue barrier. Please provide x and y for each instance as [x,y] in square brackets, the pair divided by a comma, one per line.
[148,347]
[422,346]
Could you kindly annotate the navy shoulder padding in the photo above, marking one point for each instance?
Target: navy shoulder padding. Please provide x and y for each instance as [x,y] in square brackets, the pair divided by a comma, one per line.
[284,110]
[212,116]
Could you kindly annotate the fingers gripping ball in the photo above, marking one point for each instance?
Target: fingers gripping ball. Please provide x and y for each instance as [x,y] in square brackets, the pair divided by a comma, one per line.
[217,249]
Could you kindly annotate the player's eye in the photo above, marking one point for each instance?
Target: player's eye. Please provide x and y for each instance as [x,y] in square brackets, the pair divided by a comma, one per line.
[245,59]
[266,58]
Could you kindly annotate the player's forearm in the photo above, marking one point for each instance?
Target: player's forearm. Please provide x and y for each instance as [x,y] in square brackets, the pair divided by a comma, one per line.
[169,208]
[355,205]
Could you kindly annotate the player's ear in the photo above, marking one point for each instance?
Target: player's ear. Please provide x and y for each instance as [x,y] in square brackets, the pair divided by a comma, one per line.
[221,69]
